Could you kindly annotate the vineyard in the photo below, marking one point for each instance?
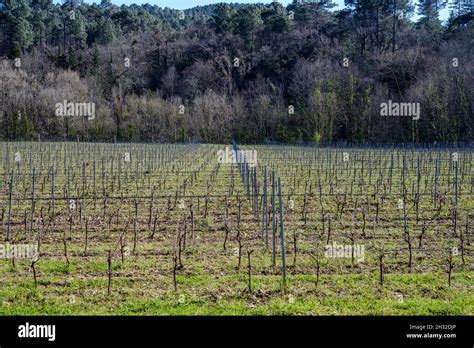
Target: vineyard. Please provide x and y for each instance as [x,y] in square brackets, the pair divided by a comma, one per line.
[165,229]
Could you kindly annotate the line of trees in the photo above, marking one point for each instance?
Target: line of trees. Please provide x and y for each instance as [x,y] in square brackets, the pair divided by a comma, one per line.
[254,73]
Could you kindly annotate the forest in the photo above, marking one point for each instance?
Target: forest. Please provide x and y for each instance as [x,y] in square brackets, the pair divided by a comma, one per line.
[259,73]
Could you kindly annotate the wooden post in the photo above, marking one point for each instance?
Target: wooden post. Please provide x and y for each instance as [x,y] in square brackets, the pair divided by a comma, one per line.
[435,198]
[265,209]
[456,185]
[273,221]
[52,190]
[10,201]
[247,178]
[83,204]
[95,192]
[33,176]
[418,179]
[282,234]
